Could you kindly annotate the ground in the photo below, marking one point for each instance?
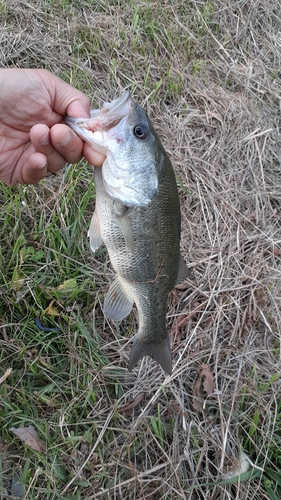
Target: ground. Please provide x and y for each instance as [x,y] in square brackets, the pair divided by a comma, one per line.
[208,74]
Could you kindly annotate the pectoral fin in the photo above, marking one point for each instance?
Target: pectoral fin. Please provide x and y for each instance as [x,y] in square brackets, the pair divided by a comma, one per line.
[117,305]
[126,228]
[94,233]
[183,271]
[159,351]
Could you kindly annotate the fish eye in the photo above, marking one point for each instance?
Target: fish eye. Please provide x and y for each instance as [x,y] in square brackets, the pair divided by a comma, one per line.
[141,131]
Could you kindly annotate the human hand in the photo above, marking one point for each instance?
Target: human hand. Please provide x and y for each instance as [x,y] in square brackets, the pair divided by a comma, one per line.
[33,138]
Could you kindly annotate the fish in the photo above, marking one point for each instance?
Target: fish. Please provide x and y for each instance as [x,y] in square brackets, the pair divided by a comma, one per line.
[137,217]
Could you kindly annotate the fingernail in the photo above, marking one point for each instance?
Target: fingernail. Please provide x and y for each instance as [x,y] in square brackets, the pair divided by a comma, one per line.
[45,140]
[66,138]
[41,167]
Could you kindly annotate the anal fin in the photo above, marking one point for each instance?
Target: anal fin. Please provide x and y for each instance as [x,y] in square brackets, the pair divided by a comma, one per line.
[94,233]
[117,305]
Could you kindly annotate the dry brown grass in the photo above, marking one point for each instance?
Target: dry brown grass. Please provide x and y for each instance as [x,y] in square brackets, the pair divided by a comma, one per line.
[209,76]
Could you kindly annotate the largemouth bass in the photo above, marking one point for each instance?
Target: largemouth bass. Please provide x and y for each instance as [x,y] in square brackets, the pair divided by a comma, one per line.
[137,217]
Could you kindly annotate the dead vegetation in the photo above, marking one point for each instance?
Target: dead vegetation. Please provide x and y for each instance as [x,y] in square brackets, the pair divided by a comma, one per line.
[209,75]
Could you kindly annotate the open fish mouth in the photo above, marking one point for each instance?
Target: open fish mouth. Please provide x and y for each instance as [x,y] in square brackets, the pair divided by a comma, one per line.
[102,120]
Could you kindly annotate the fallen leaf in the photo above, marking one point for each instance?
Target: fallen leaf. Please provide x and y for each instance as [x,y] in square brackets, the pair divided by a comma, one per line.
[67,286]
[51,310]
[127,408]
[29,436]
[203,387]
[18,281]
[210,130]
[172,409]
[260,296]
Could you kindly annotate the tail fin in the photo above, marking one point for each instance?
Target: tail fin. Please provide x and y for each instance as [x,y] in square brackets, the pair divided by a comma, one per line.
[159,351]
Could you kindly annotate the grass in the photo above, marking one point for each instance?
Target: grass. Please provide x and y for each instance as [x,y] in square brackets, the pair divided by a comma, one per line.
[207,72]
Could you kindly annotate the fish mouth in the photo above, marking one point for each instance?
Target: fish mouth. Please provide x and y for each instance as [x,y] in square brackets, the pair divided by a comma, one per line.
[102,120]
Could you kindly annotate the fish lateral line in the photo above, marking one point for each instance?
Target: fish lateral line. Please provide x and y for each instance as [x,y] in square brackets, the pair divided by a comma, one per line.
[158,274]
